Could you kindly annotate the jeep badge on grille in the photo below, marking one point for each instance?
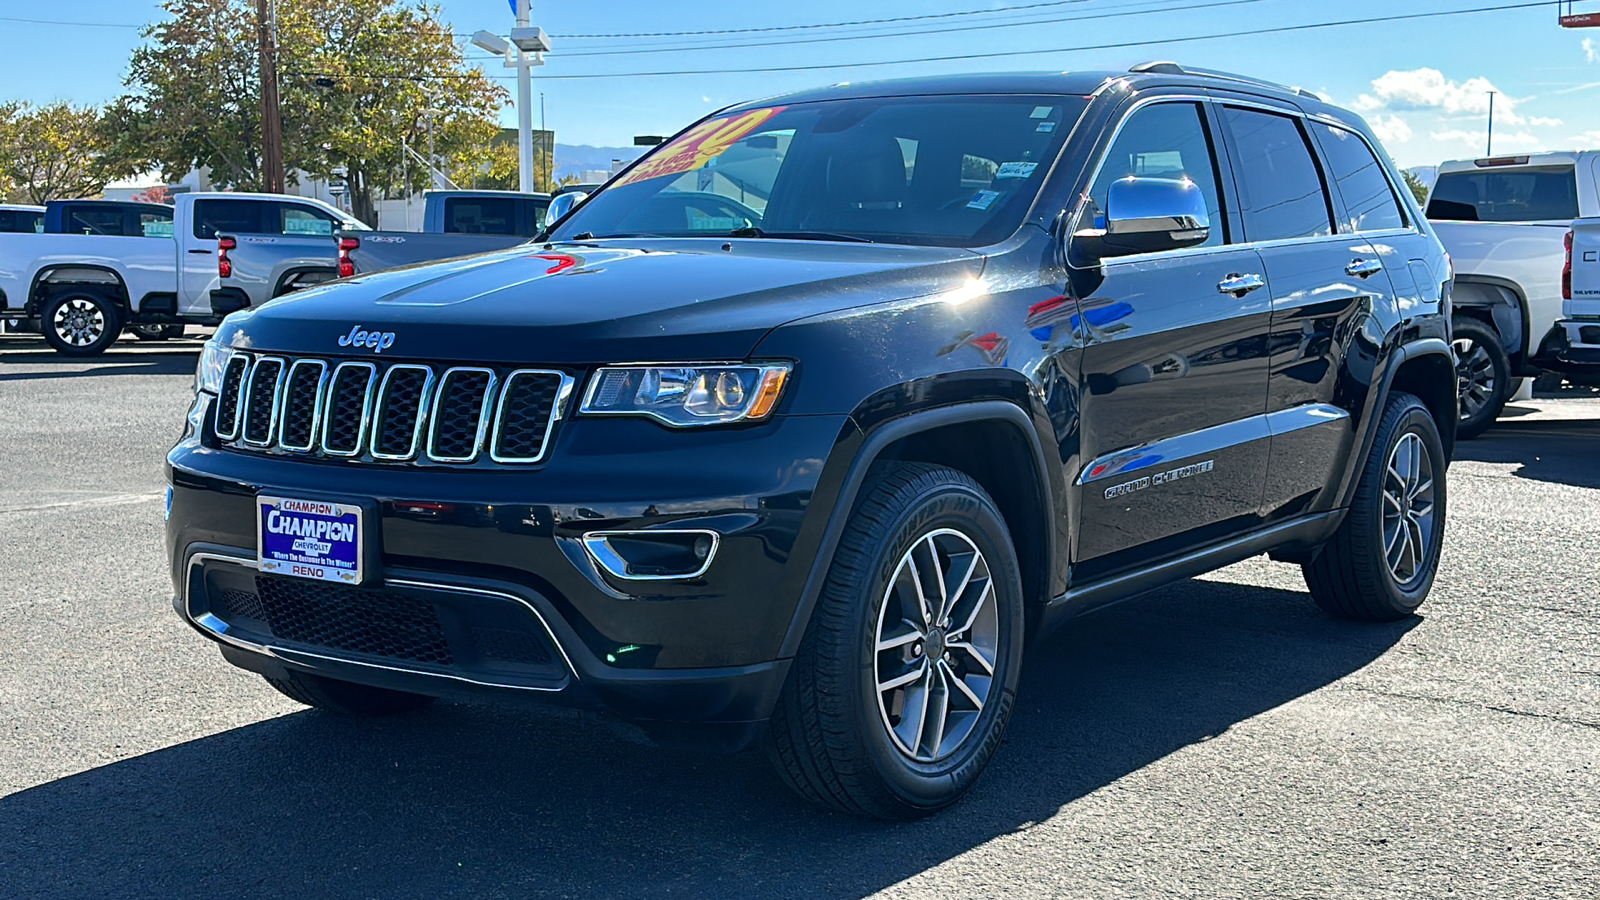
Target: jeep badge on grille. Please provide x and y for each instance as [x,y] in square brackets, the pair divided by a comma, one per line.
[379,341]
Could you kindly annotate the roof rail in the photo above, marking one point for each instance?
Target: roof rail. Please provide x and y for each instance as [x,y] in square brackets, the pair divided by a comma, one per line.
[1172,68]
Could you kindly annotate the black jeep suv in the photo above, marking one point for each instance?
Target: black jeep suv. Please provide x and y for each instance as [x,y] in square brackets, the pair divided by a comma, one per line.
[802,427]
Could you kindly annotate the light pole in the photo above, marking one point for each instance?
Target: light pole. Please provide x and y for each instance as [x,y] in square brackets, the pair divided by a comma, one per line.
[525,50]
[1490,151]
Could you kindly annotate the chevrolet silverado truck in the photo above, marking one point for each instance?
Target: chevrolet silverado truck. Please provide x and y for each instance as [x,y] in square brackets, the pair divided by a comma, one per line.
[111,266]
[1503,220]
[455,224]
[1580,291]
[992,351]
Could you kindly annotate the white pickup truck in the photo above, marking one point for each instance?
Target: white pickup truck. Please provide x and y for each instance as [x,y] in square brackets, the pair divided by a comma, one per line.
[1581,290]
[1504,221]
[84,285]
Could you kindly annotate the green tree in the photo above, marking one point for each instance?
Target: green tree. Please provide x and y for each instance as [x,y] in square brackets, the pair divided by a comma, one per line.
[1418,189]
[360,81]
[58,151]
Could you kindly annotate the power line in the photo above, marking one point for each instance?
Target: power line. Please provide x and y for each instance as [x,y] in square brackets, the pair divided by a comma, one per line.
[79,24]
[910,33]
[1119,45]
[948,15]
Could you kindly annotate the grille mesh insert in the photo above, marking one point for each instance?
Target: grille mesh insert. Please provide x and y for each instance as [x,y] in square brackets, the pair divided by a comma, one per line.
[458,413]
[228,401]
[399,411]
[300,404]
[525,410]
[345,417]
[355,620]
[260,395]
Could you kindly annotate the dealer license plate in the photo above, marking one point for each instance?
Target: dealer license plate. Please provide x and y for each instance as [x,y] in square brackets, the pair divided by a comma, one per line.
[310,539]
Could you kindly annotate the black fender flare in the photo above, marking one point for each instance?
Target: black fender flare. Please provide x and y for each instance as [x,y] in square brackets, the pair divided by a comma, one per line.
[122,300]
[280,288]
[1524,342]
[1397,358]
[873,445]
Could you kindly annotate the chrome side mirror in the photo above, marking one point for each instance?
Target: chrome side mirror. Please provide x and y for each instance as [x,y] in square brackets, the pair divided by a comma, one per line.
[1148,215]
[563,204]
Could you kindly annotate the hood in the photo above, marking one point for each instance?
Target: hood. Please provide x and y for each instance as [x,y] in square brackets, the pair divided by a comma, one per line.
[604,301]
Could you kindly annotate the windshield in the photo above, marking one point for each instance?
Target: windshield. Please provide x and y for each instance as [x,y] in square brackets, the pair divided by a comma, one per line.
[944,171]
[1506,195]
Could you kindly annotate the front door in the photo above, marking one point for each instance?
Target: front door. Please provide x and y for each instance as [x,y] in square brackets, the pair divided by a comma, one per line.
[1174,368]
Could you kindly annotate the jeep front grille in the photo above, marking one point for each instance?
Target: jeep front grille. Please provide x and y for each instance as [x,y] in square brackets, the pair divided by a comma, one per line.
[405,412]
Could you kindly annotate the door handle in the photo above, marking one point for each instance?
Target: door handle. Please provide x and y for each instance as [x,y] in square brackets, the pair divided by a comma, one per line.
[1239,285]
[197,250]
[1364,267]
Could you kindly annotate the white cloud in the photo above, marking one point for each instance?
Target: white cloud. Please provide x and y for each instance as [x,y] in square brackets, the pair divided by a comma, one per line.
[1591,51]
[1391,129]
[704,99]
[1517,141]
[1428,90]
[1587,140]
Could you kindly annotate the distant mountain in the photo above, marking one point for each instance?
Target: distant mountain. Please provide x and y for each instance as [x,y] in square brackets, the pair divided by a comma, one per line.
[574,158]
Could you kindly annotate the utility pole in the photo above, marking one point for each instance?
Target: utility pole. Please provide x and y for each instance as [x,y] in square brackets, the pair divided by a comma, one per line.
[524,106]
[272,175]
[1490,151]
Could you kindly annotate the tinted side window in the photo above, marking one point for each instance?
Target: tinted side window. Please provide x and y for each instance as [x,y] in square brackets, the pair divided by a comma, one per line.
[1279,185]
[1369,197]
[153,223]
[1165,140]
[95,220]
[230,217]
[480,215]
[303,220]
[24,221]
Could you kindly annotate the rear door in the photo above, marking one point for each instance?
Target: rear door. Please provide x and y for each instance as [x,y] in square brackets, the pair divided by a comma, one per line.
[1326,282]
[212,216]
[1174,366]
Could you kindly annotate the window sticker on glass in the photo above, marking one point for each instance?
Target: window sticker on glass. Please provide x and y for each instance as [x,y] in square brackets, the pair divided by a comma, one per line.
[1047,127]
[698,146]
[1042,112]
[1016,169]
[983,199]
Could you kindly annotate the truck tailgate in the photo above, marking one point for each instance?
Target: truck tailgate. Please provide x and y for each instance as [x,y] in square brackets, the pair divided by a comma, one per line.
[379,250]
[1585,302]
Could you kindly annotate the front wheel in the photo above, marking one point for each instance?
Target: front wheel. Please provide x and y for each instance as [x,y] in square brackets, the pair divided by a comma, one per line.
[1483,376]
[156,332]
[80,323]
[1380,564]
[904,682]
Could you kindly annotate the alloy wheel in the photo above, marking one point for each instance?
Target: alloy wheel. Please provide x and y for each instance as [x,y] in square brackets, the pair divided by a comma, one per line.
[1408,508]
[1474,376]
[79,322]
[938,638]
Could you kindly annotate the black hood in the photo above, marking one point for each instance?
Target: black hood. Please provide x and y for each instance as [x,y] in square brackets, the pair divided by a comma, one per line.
[607,301]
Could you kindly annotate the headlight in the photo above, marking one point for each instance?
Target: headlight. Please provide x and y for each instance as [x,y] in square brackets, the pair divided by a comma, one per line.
[213,362]
[687,395]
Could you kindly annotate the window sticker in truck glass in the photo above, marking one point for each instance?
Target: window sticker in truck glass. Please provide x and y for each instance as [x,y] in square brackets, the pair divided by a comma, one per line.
[699,145]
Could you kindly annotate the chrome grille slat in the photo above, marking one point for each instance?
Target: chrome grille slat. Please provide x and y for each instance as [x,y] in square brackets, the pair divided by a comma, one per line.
[372,412]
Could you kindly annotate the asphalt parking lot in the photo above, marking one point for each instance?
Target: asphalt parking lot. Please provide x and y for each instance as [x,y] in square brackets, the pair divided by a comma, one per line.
[1218,738]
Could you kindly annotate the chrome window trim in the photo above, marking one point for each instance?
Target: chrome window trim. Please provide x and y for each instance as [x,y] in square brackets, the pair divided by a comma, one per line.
[485,410]
[1191,252]
[277,394]
[316,409]
[597,545]
[217,629]
[563,394]
[422,412]
[366,409]
[248,361]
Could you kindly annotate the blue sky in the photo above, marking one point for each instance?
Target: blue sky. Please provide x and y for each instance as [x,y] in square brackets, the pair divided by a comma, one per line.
[1422,83]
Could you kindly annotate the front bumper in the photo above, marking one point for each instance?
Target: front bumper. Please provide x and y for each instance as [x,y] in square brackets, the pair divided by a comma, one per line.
[502,552]
[1573,345]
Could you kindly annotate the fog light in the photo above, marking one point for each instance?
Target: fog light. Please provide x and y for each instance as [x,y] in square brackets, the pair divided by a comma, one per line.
[653,554]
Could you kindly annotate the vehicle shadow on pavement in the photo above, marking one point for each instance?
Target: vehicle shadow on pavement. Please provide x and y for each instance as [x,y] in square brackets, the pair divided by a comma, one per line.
[478,802]
[1562,451]
[164,362]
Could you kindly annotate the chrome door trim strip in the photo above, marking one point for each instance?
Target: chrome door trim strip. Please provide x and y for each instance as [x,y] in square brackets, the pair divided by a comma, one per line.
[1209,440]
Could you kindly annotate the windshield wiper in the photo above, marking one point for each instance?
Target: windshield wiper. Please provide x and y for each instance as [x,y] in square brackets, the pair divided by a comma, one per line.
[751,231]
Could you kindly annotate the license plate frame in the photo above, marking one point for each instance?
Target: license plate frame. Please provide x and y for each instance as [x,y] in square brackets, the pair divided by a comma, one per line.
[312,538]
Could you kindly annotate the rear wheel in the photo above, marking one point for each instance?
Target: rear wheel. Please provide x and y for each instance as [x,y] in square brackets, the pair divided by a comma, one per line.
[346,698]
[156,332]
[904,682]
[80,323]
[1380,564]
[1483,376]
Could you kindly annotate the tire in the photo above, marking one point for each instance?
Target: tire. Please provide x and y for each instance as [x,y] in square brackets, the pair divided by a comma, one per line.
[346,698]
[839,741]
[80,323]
[1483,376]
[156,332]
[1363,572]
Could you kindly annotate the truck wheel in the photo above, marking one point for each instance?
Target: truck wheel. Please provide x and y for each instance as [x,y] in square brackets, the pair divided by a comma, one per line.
[1380,564]
[904,681]
[156,332]
[1483,376]
[80,323]
[346,698]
